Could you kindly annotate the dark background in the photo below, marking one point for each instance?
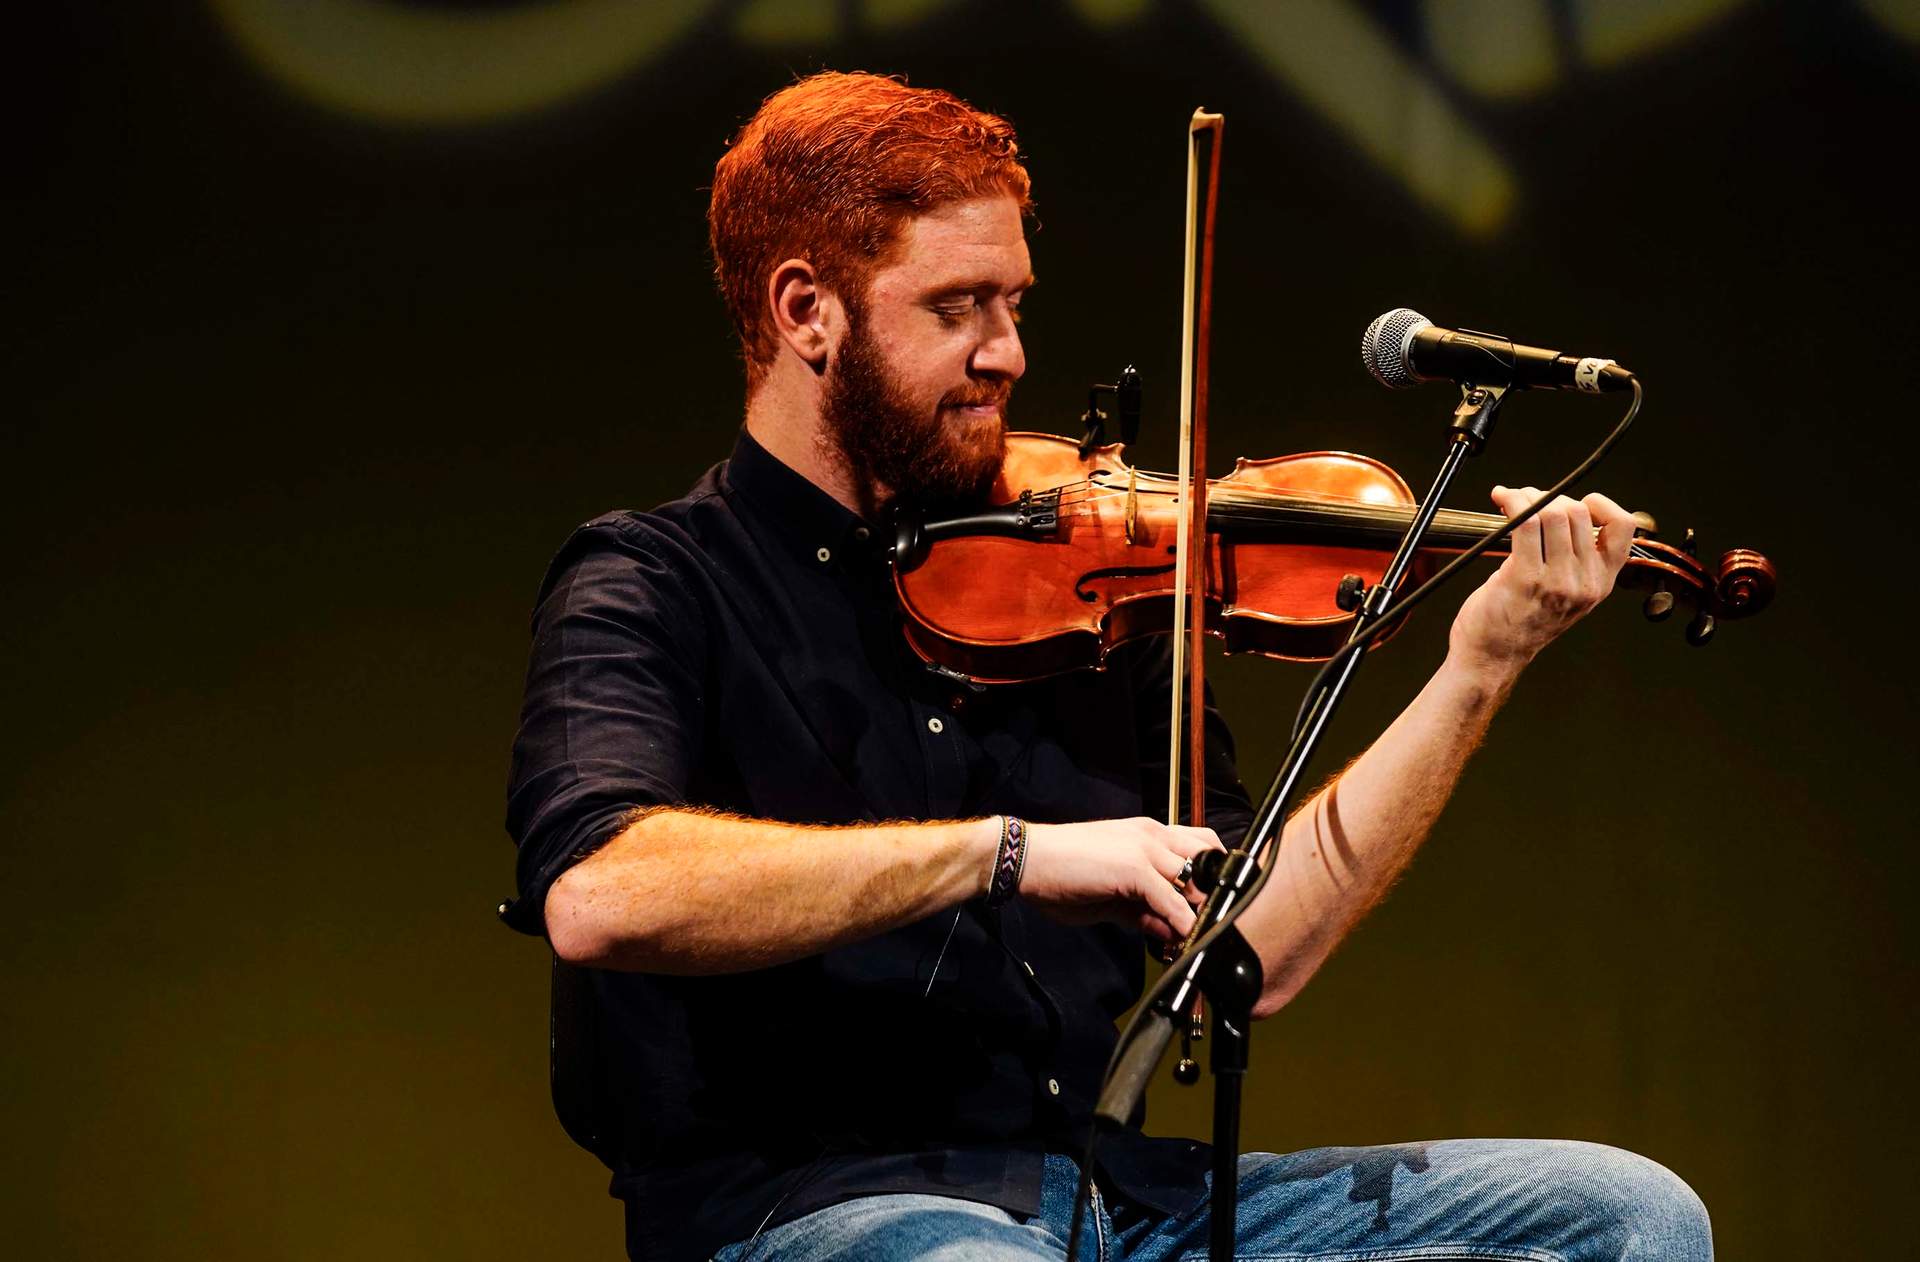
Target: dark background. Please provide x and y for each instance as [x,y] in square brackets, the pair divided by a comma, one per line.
[331,318]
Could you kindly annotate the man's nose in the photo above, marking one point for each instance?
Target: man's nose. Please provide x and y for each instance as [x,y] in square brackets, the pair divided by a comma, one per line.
[1000,353]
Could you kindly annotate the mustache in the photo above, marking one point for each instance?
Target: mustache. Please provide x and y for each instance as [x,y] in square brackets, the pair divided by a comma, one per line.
[995,394]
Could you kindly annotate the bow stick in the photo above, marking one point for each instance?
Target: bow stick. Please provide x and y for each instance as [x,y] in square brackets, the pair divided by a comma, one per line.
[1191,556]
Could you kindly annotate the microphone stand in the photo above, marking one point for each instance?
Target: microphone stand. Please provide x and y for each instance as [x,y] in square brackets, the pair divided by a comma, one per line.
[1228,972]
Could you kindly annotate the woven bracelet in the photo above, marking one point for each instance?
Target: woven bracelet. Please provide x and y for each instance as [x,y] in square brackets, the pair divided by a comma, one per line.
[1010,862]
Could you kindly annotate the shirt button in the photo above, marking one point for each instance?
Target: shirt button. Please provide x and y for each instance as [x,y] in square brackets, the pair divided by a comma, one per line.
[860,533]
[824,555]
[935,726]
[1053,1086]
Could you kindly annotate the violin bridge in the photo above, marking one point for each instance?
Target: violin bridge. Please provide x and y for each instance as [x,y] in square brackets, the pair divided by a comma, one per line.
[1133,507]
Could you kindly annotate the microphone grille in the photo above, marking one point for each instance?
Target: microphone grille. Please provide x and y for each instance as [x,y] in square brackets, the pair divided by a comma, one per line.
[1383,347]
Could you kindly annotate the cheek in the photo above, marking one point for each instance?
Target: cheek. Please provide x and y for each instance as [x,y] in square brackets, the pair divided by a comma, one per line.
[929,368]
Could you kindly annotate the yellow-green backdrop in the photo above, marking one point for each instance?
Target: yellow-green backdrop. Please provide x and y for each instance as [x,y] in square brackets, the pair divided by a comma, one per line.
[329,319]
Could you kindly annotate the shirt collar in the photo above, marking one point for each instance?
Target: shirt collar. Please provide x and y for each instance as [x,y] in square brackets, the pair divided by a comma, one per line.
[819,529]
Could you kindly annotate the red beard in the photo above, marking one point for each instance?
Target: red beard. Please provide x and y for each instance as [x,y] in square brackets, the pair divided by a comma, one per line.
[894,449]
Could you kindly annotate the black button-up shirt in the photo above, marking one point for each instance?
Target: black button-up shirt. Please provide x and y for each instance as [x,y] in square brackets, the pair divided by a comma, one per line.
[740,649]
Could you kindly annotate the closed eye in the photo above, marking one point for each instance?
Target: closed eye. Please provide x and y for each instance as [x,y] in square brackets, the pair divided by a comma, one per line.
[954,309]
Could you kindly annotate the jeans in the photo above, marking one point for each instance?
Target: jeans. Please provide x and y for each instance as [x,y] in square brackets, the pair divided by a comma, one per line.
[1540,1200]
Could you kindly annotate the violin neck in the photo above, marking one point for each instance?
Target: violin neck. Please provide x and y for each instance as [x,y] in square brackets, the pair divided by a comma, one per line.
[1301,519]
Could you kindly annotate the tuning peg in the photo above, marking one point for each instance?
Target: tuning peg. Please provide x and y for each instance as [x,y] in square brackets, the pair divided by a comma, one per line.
[1700,630]
[1644,524]
[1659,603]
[1688,544]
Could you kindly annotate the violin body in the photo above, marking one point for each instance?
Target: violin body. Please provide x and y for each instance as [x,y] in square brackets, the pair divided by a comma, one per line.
[1078,556]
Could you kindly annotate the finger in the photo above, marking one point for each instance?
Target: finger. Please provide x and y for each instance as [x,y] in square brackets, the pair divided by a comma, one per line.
[1604,510]
[1166,857]
[1169,904]
[1194,842]
[1524,544]
[1557,540]
[1190,841]
[1616,531]
[1579,538]
[1160,931]
[1181,879]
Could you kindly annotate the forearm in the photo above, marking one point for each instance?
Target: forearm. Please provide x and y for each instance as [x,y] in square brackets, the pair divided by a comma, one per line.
[693,893]
[1342,851]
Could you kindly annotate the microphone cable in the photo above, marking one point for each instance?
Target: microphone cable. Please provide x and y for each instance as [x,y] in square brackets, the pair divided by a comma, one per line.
[1400,608]
[1388,617]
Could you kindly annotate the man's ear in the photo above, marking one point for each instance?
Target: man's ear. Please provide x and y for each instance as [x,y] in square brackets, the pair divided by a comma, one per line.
[805,315]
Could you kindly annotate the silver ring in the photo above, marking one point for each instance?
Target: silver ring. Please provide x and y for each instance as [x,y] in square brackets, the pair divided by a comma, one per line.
[1186,874]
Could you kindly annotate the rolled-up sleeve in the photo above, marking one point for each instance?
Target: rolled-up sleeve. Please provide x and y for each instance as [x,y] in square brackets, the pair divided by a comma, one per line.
[614,706]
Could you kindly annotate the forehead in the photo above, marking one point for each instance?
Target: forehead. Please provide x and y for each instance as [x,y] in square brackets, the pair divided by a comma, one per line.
[970,244]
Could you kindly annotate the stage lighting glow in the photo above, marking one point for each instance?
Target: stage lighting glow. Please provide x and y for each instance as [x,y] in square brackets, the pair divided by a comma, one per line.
[1901,17]
[397,63]
[1493,48]
[1615,31]
[1333,55]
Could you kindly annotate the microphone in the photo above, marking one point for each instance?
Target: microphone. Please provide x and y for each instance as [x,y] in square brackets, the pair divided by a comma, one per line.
[1403,348]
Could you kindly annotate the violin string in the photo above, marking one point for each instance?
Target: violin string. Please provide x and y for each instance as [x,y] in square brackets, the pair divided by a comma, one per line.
[1258,506]
[1087,491]
[1254,506]
[1156,484]
[1107,526]
[1222,492]
[1081,499]
[1307,511]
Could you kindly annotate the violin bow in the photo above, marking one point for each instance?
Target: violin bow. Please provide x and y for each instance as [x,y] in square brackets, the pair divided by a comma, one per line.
[1191,559]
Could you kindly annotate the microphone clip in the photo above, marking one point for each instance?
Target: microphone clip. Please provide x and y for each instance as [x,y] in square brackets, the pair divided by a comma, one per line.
[1125,396]
[1473,416]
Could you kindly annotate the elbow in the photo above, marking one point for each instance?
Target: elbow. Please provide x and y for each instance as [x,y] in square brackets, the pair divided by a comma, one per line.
[572,930]
[1283,977]
[594,909]
[1273,998]
[580,928]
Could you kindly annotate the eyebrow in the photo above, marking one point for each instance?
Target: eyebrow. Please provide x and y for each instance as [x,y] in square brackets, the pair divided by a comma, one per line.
[976,286]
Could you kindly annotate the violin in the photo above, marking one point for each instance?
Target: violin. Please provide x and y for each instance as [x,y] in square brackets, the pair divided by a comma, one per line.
[1074,555]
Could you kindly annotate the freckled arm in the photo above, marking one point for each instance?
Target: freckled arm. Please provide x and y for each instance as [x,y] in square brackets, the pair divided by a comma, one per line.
[1344,849]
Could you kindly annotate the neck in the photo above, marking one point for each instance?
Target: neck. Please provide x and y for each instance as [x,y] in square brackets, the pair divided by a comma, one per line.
[784,417]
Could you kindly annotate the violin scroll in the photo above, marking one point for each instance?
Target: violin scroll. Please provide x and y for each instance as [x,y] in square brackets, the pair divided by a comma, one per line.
[1746,583]
[1740,585]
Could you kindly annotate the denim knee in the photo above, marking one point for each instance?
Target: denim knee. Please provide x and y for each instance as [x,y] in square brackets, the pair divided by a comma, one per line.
[1638,1209]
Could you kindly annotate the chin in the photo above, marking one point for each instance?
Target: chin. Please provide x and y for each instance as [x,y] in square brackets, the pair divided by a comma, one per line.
[962,473]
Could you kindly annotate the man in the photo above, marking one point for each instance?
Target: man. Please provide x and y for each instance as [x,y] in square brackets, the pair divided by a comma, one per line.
[835,1030]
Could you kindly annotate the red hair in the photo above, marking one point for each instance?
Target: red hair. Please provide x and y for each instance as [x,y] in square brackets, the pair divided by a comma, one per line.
[829,170]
